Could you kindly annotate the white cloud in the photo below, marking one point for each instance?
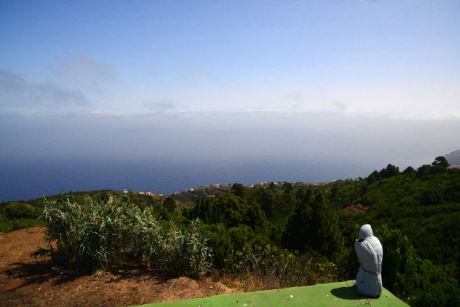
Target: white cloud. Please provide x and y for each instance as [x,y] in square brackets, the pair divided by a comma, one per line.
[16,92]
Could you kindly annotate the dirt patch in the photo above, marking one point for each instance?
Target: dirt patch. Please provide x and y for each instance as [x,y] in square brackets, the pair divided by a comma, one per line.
[356,208]
[28,279]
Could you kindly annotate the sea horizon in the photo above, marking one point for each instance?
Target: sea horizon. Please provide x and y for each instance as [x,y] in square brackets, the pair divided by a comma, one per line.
[34,178]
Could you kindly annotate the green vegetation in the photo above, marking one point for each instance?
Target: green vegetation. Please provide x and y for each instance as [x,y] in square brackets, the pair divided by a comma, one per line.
[17,215]
[331,294]
[283,233]
[415,213]
[115,232]
[314,227]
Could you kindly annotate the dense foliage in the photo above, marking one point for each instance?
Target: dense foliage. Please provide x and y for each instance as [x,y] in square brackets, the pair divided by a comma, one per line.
[314,227]
[416,280]
[415,213]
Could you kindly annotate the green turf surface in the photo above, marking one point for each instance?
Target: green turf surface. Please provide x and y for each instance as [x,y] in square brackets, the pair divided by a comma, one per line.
[332,294]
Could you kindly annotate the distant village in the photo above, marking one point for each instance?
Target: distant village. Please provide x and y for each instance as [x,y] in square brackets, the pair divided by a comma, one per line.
[212,190]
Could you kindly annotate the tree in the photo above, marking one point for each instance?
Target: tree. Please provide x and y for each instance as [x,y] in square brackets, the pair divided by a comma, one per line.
[327,239]
[423,170]
[238,189]
[267,202]
[409,170]
[255,217]
[389,171]
[373,177]
[298,228]
[169,203]
[314,226]
[440,163]
[229,209]
[287,187]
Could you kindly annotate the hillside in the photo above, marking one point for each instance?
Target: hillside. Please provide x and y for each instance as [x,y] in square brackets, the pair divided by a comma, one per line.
[270,235]
[454,158]
[195,194]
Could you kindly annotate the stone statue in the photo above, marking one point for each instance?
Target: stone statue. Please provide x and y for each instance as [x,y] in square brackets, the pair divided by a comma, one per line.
[370,255]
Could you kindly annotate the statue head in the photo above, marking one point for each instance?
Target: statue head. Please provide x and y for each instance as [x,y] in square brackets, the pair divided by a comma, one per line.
[365,232]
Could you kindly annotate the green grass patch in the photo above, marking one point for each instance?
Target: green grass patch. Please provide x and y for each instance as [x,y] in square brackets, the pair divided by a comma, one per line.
[331,294]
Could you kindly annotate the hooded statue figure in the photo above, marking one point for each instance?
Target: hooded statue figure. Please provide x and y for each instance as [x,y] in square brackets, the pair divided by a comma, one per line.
[370,255]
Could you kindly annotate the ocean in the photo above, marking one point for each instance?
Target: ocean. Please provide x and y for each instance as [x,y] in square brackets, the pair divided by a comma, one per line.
[27,179]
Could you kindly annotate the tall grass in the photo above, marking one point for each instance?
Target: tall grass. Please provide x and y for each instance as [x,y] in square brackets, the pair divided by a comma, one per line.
[107,234]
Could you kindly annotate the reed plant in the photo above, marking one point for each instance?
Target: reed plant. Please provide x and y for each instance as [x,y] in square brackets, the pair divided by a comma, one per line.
[113,232]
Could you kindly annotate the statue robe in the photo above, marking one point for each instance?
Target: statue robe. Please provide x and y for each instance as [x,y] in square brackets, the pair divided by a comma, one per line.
[370,255]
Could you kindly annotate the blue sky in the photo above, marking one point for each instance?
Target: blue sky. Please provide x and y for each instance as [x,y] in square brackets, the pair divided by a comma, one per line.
[362,82]
[398,58]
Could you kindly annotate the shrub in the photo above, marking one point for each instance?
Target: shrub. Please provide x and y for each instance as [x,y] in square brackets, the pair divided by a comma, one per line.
[284,268]
[5,224]
[112,232]
[174,251]
[15,210]
[416,280]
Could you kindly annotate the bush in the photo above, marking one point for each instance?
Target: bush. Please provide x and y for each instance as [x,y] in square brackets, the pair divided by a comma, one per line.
[442,294]
[174,251]
[284,268]
[17,215]
[416,280]
[16,210]
[5,224]
[112,232]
